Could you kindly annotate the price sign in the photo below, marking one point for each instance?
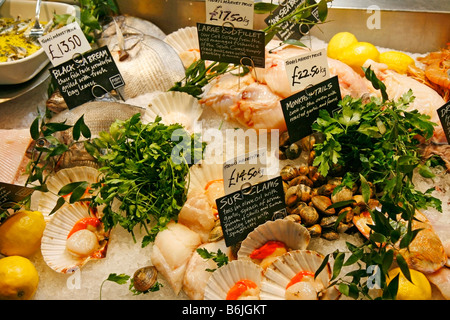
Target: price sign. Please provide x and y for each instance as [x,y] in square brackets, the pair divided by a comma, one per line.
[291,30]
[11,194]
[250,168]
[302,109]
[231,45]
[78,77]
[241,211]
[307,69]
[62,44]
[444,117]
[238,13]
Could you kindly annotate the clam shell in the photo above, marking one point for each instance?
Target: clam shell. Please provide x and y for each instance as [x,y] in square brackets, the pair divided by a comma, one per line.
[286,266]
[54,239]
[293,234]
[226,277]
[183,39]
[47,200]
[174,107]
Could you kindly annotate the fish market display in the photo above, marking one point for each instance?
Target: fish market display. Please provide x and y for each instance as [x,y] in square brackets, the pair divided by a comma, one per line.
[120,198]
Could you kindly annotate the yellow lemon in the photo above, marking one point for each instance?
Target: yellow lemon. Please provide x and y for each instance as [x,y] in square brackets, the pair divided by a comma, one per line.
[338,42]
[419,289]
[21,233]
[397,61]
[19,278]
[356,54]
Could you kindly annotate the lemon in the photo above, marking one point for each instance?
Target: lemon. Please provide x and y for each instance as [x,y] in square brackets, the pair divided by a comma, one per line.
[356,54]
[19,278]
[21,233]
[338,42]
[397,61]
[419,289]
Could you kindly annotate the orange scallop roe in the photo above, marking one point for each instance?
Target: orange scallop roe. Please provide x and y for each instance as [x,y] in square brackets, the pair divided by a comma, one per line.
[83,223]
[239,288]
[267,249]
[299,277]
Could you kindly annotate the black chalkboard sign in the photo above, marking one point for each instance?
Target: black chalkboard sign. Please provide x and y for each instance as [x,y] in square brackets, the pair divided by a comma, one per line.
[241,211]
[78,77]
[11,194]
[291,30]
[231,45]
[444,117]
[302,108]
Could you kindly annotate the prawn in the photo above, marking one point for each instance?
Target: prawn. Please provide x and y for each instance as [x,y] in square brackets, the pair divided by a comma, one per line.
[437,70]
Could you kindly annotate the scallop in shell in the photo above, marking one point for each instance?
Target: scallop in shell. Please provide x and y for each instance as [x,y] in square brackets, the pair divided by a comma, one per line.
[174,107]
[291,276]
[48,200]
[224,279]
[65,248]
[205,175]
[185,43]
[293,235]
[199,212]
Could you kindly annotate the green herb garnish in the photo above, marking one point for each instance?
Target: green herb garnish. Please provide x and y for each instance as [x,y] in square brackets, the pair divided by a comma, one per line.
[144,170]
[93,13]
[376,142]
[219,257]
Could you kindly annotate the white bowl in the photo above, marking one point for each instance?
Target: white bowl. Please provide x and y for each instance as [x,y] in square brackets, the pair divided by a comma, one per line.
[22,70]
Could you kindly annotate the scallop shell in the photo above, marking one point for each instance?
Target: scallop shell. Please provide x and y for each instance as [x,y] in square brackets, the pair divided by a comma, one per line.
[174,107]
[183,39]
[293,234]
[202,174]
[54,239]
[185,43]
[47,200]
[226,277]
[286,266]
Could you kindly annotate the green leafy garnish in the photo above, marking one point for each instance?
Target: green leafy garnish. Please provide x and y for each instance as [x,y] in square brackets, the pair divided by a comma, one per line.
[144,171]
[219,257]
[92,15]
[376,142]
[197,75]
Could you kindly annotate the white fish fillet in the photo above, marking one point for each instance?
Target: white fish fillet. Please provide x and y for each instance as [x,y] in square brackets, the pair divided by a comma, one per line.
[13,146]
[197,214]
[196,275]
[173,247]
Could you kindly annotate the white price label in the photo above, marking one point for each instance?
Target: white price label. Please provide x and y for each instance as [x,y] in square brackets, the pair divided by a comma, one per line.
[245,170]
[307,69]
[64,43]
[238,13]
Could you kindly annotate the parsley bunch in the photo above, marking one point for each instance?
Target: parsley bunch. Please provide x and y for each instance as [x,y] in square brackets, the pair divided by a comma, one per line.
[144,167]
